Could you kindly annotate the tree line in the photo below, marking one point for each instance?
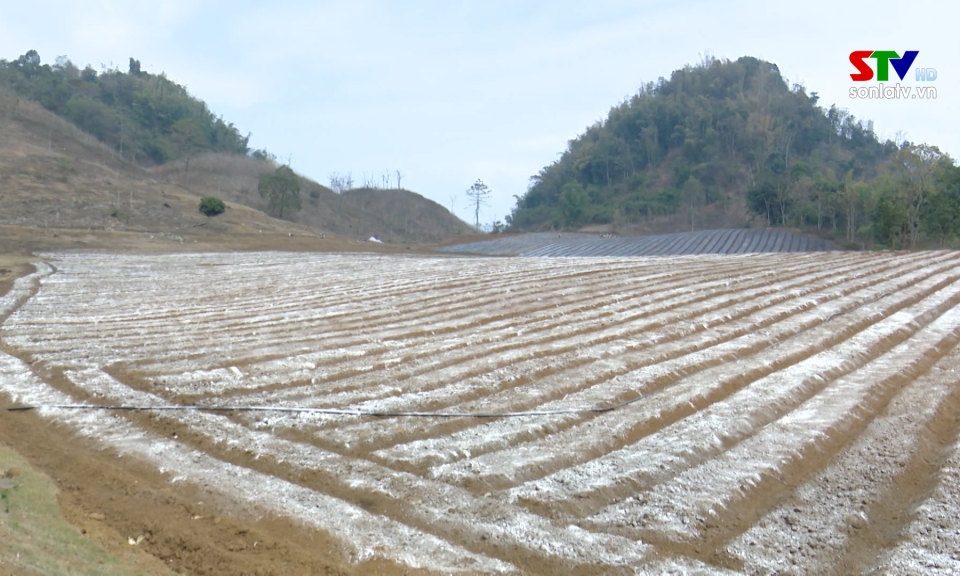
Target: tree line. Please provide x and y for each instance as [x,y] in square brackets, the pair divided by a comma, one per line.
[735,133]
[913,201]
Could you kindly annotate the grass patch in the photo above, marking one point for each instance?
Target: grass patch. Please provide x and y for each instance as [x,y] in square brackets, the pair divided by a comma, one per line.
[35,537]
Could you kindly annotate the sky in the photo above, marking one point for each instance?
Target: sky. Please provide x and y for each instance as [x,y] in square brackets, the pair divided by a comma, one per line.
[452,92]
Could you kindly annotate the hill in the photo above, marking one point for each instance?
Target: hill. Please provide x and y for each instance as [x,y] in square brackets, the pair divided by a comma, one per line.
[53,175]
[135,151]
[144,117]
[391,215]
[726,144]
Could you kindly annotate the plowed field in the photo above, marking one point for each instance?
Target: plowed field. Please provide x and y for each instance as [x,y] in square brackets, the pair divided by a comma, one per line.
[728,241]
[740,414]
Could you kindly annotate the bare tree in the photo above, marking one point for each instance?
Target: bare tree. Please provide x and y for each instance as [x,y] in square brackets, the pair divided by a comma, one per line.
[385,179]
[478,195]
[399,176]
[337,183]
[916,164]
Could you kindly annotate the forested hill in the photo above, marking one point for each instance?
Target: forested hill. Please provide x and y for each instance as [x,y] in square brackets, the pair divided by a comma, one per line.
[724,134]
[145,117]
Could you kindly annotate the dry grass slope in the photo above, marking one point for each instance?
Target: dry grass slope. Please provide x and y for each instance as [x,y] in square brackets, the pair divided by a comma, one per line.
[53,176]
[397,216]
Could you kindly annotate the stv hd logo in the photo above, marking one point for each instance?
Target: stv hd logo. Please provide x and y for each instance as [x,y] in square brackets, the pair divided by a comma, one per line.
[885,59]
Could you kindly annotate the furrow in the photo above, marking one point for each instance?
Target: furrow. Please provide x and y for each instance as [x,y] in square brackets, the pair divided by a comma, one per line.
[408,353]
[514,387]
[485,526]
[512,371]
[920,532]
[630,356]
[254,341]
[362,535]
[620,474]
[529,332]
[844,517]
[726,494]
[690,391]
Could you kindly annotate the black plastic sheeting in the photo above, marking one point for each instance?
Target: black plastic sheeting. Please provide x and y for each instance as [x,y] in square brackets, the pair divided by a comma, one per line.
[733,241]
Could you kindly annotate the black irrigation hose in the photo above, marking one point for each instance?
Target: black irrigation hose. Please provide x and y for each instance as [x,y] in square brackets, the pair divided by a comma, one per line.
[877,299]
[332,411]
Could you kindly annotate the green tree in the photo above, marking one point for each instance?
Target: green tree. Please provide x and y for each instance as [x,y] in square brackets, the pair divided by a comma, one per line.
[916,165]
[573,203]
[211,206]
[618,218]
[761,199]
[263,155]
[822,197]
[850,198]
[693,199]
[941,218]
[281,189]
[891,223]
[941,215]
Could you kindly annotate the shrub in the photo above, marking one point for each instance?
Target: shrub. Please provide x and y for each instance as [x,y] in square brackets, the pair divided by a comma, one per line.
[211,206]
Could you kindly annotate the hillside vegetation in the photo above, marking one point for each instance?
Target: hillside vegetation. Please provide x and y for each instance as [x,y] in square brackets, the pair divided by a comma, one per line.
[390,215]
[55,176]
[143,116]
[135,151]
[734,140]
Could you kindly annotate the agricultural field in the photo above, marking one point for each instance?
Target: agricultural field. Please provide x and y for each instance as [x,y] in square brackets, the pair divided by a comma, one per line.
[783,413]
[569,244]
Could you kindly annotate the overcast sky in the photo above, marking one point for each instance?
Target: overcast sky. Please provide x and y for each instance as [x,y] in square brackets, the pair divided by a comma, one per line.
[449,93]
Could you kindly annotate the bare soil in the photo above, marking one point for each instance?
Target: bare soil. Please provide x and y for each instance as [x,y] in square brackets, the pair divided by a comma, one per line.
[135,500]
[775,414]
